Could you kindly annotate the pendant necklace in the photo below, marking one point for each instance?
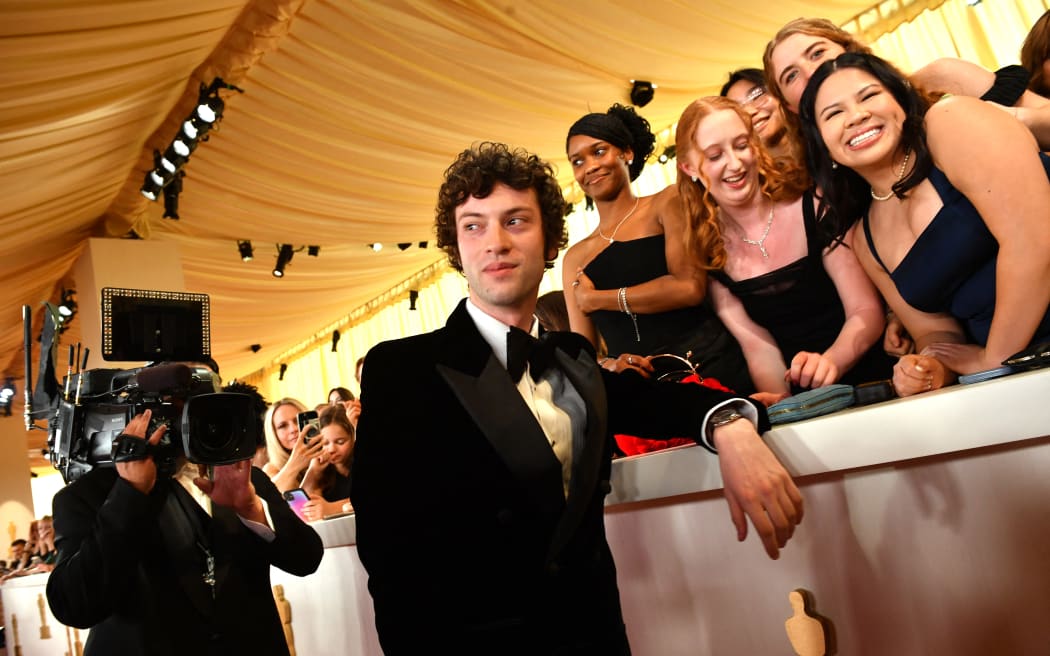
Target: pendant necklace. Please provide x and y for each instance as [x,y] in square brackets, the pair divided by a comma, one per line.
[761,241]
[611,238]
[900,176]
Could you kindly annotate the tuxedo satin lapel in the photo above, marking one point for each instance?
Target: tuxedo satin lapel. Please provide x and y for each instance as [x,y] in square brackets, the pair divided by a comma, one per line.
[585,375]
[505,421]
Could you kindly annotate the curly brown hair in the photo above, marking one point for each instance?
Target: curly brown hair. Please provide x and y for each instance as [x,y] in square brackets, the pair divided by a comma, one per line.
[779,179]
[477,170]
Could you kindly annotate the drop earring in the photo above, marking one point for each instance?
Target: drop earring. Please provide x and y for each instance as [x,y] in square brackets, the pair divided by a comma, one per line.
[629,162]
[834,165]
[693,178]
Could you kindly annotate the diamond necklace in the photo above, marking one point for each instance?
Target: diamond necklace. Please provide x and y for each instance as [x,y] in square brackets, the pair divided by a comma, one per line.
[761,241]
[611,237]
[900,176]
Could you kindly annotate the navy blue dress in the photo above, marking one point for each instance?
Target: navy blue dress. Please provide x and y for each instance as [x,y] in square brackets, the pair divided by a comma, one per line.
[951,267]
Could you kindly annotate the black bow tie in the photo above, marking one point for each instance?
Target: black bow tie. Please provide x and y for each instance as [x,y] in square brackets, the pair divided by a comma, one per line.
[523,347]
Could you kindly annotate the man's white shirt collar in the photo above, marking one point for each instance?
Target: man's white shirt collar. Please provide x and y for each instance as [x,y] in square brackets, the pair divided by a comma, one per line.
[494,331]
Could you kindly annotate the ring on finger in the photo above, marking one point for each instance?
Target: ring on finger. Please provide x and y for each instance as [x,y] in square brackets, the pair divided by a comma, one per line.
[630,360]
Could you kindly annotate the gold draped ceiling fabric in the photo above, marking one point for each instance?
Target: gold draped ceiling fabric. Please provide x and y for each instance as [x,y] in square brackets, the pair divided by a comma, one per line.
[351,112]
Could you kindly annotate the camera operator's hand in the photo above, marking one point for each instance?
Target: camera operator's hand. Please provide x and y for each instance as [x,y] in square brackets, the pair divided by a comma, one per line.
[141,474]
[231,486]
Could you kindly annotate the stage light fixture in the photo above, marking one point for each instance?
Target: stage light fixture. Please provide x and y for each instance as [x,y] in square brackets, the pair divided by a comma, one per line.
[68,307]
[376,247]
[668,154]
[172,160]
[284,256]
[641,92]
[284,368]
[245,248]
[171,196]
[313,251]
[150,188]
[7,395]
[422,244]
[255,348]
[405,245]
[413,296]
[335,340]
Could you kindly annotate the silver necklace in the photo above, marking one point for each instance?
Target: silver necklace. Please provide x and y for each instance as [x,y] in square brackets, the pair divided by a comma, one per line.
[900,176]
[761,241]
[611,238]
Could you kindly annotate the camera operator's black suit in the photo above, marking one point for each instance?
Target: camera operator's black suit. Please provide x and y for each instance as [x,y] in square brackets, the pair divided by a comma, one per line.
[470,544]
[130,569]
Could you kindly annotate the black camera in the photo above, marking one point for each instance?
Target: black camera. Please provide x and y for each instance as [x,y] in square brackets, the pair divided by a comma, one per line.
[181,390]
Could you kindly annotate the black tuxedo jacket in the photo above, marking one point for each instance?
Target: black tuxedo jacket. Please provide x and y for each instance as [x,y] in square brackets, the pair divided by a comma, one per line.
[462,523]
[134,574]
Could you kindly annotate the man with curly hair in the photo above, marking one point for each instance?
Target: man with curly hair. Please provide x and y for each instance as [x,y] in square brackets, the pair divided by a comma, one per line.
[480,510]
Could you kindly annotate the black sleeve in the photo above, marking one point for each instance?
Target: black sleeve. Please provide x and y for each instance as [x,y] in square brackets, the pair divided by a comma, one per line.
[660,410]
[1010,84]
[297,548]
[98,547]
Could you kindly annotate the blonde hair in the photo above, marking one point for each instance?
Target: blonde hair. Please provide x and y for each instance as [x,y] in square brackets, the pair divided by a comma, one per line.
[818,27]
[275,451]
[779,179]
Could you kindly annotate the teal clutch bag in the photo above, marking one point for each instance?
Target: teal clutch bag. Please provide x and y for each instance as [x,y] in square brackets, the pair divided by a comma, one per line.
[811,403]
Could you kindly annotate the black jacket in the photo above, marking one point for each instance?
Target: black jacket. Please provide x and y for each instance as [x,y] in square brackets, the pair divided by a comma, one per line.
[133,573]
[462,523]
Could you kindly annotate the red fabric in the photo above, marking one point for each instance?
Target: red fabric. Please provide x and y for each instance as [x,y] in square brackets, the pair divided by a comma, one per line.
[633,446]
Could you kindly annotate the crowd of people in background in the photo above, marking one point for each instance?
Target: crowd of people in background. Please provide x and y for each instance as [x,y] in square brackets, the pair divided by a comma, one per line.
[32,555]
[827,254]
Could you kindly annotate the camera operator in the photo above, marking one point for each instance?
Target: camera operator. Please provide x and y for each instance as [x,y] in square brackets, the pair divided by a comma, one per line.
[159,565]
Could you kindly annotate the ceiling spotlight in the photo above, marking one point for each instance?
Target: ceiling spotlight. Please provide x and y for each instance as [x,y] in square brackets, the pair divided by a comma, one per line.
[376,247]
[335,340]
[7,394]
[172,160]
[313,251]
[209,104]
[284,256]
[641,92]
[413,296]
[255,348]
[284,368]
[422,244]
[405,245]
[667,155]
[68,306]
[245,248]
[150,187]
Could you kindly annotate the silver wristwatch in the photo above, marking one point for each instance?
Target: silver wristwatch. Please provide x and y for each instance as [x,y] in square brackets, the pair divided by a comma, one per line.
[723,416]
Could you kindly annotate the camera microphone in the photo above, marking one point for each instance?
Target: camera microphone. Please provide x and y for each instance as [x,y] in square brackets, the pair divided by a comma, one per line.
[164,378]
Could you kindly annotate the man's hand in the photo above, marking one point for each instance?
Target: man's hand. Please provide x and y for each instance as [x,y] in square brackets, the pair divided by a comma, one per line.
[141,474]
[231,485]
[757,486]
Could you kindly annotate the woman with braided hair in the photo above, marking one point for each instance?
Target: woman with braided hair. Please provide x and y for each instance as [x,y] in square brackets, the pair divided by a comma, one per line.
[628,281]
